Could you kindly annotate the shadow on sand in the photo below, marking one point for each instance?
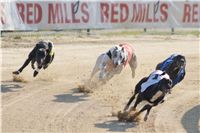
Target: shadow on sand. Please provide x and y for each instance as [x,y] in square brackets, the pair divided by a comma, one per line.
[8,86]
[190,120]
[71,97]
[115,126]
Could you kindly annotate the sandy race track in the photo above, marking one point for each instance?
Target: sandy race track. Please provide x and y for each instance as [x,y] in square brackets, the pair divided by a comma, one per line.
[51,103]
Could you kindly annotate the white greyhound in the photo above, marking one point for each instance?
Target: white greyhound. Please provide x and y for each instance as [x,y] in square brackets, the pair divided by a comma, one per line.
[112,62]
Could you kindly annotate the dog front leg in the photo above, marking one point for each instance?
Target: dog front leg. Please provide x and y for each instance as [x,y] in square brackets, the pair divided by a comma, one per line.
[133,64]
[146,107]
[32,64]
[118,69]
[36,71]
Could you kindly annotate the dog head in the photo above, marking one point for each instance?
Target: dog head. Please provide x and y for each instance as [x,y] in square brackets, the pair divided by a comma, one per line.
[118,56]
[40,56]
[178,63]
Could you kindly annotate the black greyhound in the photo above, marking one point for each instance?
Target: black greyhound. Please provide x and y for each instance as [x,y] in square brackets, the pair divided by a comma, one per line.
[163,85]
[42,54]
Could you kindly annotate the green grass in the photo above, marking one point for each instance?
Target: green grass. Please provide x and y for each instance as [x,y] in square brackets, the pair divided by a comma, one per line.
[123,33]
[108,33]
[17,37]
[197,33]
[150,32]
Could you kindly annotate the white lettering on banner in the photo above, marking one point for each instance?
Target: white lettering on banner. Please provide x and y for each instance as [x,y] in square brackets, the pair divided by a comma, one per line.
[50,15]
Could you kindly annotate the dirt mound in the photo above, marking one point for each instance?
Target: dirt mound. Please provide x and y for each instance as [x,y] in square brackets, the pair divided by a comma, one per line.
[88,86]
[126,116]
[84,89]
[17,78]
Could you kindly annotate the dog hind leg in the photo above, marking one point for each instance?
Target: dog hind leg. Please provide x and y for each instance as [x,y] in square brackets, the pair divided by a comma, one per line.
[96,67]
[146,107]
[94,71]
[138,100]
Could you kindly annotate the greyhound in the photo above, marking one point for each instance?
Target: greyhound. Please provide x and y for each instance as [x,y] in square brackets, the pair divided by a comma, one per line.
[147,88]
[174,67]
[112,62]
[42,54]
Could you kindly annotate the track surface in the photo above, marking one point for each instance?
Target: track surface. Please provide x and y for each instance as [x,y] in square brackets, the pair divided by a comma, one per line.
[50,102]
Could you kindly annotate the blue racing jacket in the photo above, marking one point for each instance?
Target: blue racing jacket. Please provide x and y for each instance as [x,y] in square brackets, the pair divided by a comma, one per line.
[166,64]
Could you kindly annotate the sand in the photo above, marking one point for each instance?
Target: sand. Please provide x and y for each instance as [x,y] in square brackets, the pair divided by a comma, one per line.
[51,102]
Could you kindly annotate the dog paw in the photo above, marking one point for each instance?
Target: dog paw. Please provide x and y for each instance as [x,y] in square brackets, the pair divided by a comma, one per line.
[125,108]
[33,67]
[16,72]
[35,73]
[145,118]
[162,101]
[45,66]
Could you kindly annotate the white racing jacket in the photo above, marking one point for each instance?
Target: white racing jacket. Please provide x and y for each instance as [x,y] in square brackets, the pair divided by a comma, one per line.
[154,78]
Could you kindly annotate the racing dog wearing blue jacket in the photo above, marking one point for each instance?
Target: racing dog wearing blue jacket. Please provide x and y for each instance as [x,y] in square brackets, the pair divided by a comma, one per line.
[168,65]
